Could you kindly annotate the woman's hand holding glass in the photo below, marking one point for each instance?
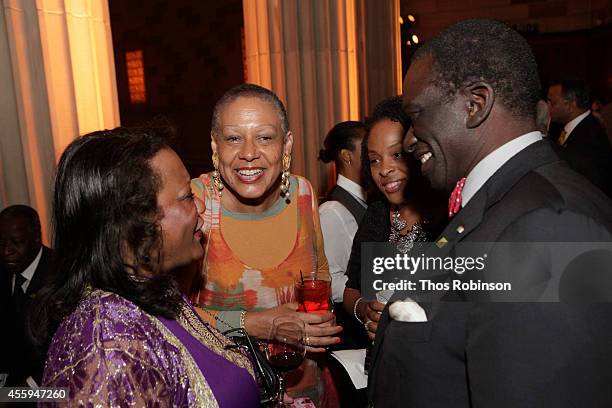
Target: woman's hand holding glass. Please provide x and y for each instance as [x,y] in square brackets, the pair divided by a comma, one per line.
[285,350]
[320,328]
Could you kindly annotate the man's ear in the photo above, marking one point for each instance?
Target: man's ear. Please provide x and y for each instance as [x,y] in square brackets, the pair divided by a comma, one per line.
[480,98]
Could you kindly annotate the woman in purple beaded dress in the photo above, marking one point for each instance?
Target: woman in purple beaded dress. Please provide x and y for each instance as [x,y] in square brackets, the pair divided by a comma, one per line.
[124,220]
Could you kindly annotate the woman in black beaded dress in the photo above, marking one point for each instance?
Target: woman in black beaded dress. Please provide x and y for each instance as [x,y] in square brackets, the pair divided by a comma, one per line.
[405,211]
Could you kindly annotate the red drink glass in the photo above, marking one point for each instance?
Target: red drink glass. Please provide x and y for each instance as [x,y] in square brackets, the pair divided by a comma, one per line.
[313,296]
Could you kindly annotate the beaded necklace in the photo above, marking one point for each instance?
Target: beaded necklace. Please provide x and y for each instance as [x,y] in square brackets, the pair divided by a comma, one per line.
[404,243]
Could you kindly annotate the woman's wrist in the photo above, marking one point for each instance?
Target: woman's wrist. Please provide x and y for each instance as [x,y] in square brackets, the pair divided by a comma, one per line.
[362,310]
[255,324]
[249,318]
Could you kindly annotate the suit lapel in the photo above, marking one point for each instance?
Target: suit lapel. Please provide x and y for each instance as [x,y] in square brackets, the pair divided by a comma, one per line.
[39,278]
[581,130]
[461,225]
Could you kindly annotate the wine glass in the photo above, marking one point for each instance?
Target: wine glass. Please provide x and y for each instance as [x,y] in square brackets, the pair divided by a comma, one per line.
[286,350]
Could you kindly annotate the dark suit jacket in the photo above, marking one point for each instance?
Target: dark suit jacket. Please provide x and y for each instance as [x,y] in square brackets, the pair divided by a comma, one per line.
[587,150]
[18,352]
[472,354]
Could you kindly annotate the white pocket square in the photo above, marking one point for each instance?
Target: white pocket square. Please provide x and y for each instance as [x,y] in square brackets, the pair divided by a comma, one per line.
[407,311]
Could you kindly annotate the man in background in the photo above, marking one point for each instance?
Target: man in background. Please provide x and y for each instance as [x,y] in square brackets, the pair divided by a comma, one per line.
[583,141]
[25,265]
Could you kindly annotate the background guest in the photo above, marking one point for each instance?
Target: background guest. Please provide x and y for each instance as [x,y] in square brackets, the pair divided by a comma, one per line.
[124,220]
[25,267]
[346,203]
[261,228]
[406,212]
[583,141]
[340,217]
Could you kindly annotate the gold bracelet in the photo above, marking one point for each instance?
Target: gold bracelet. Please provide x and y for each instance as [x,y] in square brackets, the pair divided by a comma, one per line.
[242,318]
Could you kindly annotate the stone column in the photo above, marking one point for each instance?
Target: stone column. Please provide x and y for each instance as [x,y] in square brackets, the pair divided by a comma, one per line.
[57,65]
[313,55]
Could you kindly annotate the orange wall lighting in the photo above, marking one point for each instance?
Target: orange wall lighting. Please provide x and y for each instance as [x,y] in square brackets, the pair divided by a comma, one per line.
[136,78]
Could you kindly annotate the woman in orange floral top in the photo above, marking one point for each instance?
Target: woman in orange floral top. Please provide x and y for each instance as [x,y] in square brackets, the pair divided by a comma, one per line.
[261,228]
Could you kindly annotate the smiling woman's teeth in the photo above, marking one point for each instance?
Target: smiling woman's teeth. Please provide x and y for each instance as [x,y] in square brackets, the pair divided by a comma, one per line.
[425,157]
[250,172]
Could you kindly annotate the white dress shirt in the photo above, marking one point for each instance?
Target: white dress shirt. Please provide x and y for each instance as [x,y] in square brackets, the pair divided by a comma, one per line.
[339,227]
[28,273]
[493,162]
[571,125]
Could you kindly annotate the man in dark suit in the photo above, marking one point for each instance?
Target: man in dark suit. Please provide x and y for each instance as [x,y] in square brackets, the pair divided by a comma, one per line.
[583,141]
[25,265]
[473,117]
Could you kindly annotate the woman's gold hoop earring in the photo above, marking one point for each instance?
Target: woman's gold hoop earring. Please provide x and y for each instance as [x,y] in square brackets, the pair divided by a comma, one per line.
[285,182]
[216,175]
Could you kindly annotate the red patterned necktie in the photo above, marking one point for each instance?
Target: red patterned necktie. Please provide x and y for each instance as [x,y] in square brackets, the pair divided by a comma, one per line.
[454,202]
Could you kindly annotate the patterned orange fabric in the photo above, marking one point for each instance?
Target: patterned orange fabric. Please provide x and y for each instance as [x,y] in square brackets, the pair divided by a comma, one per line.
[229,284]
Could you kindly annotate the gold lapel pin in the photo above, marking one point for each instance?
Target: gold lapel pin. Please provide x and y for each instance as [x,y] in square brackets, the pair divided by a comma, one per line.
[441,242]
[460,229]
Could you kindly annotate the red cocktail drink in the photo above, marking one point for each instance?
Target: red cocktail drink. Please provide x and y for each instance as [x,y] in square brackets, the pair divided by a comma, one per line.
[313,296]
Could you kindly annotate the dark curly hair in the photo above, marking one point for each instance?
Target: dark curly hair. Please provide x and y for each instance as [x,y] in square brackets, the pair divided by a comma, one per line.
[486,50]
[387,109]
[249,91]
[342,136]
[104,208]
[431,204]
